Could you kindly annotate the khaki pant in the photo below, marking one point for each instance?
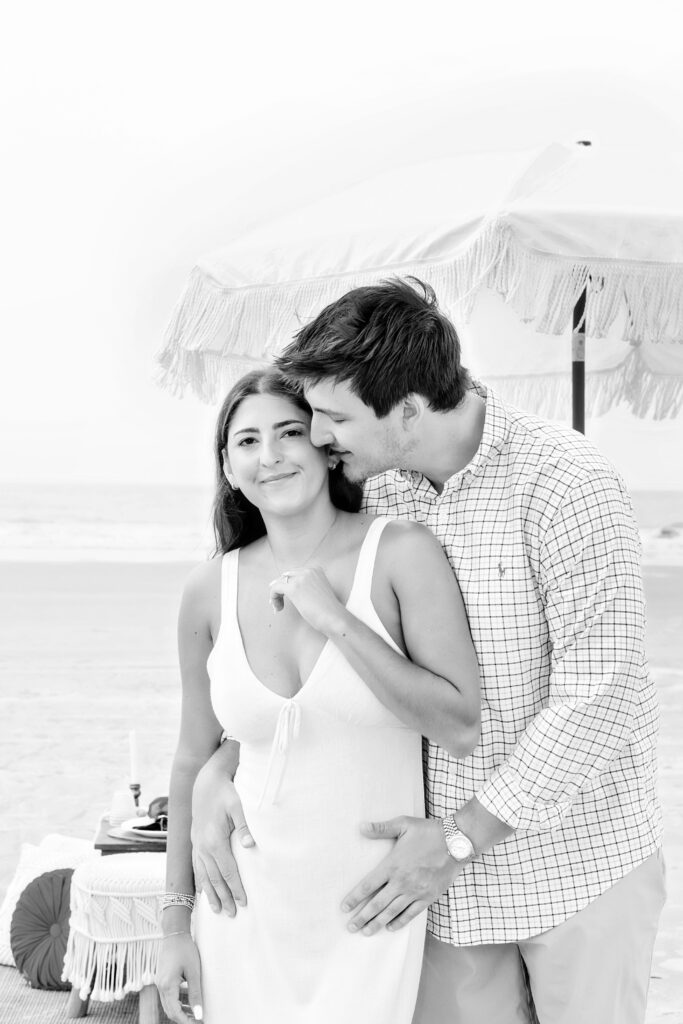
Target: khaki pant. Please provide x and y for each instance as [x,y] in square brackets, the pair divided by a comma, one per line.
[592,969]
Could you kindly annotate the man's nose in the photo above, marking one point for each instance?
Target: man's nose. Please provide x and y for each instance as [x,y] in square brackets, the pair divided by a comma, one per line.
[320,432]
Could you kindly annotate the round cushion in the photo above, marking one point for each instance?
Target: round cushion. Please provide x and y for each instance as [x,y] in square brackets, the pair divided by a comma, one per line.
[40,928]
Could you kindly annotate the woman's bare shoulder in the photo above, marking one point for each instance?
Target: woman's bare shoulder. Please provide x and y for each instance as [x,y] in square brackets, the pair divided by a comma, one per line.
[406,548]
[408,531]
[204,580]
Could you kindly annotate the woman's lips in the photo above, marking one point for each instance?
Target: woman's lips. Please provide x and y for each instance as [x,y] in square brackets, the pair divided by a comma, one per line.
[277,478]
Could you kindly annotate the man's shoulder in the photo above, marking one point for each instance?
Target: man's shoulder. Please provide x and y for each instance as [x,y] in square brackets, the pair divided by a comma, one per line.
[554,450]
[549,466]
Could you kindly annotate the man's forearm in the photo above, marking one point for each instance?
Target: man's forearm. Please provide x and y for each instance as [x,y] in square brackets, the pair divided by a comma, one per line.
[224,761]
[421,699]
[481,827]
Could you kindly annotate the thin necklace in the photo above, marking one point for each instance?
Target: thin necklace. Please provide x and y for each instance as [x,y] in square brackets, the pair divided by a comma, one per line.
[313,553]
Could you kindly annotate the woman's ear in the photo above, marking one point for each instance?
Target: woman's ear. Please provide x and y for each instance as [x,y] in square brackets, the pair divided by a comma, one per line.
[226,470]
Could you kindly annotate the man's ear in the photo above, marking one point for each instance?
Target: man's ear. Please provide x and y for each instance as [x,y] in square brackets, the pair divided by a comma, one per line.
[413,410]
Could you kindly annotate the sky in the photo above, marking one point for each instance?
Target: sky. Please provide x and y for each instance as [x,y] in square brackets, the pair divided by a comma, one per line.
[134,138]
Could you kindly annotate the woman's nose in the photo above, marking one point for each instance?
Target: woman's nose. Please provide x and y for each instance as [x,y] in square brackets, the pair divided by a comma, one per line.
[270,453]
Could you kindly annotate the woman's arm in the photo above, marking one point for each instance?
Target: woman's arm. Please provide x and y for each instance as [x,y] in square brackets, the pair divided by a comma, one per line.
[199,736]
[436,692]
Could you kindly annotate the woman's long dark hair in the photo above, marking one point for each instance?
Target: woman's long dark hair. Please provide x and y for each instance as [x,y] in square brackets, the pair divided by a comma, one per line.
[236,521]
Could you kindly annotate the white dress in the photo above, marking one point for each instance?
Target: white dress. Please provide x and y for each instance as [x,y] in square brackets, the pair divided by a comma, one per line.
[312,768]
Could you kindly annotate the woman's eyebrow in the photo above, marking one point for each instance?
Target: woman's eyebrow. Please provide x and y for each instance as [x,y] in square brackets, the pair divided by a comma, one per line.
[276,426]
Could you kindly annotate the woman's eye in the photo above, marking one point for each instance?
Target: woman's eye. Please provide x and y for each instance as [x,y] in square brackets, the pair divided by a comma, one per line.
[247,441]
[293,432]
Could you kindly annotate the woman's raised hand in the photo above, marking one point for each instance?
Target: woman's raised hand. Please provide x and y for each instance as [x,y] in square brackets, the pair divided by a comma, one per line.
[310,592]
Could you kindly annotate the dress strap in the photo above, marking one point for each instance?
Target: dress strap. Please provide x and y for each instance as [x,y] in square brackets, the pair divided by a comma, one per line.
[229,570]
[365,566]
[360,599]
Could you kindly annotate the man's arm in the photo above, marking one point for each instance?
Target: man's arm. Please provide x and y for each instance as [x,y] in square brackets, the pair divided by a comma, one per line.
[590,577]
[591,582]
[216,812]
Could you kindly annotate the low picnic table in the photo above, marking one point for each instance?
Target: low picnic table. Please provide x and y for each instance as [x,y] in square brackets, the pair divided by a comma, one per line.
[110,839]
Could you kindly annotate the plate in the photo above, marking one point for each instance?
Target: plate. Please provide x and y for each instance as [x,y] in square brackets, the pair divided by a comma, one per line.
[146,827]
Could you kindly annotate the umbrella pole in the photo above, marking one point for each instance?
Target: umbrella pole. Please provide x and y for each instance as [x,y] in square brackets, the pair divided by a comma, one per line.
[579,364]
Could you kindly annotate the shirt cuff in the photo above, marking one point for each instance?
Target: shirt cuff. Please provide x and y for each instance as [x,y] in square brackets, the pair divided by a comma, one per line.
[503,797]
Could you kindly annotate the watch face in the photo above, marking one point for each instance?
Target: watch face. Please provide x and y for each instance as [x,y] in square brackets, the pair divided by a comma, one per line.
[461,847]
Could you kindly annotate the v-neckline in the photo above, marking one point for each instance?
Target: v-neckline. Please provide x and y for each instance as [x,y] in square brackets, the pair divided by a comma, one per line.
[324,648]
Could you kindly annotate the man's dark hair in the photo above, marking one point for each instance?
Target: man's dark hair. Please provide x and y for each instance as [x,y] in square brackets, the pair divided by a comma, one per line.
[385,341]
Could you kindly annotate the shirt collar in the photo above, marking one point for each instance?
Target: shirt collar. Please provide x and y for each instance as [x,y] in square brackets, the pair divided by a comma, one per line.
[494,435]
[495,432]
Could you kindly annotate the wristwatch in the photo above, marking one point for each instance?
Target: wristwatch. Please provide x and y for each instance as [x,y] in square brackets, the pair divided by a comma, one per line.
[459,846]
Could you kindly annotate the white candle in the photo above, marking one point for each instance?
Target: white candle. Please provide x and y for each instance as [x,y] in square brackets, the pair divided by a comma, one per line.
[134,762]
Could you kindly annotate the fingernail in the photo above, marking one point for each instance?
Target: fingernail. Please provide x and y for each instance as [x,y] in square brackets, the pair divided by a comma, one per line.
[197,1013]
[239,902]
[352,927]
[346,907]
[247,841]
[216,909]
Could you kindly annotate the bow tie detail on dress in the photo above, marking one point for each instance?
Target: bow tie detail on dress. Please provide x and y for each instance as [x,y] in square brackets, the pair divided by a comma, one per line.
[286,731]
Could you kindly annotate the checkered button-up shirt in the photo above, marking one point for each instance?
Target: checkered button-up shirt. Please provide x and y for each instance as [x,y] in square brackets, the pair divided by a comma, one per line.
[540,533]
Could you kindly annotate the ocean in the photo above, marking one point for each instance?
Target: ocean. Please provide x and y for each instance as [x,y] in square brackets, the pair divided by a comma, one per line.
[104,523]
[138,523]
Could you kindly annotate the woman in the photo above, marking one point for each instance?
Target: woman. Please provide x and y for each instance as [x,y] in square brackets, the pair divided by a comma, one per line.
[327,643]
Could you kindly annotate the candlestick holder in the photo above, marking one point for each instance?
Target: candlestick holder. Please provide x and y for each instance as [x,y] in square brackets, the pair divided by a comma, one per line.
[135,790]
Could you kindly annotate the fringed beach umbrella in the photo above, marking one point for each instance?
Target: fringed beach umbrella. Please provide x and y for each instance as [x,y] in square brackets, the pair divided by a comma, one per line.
[592,239]
[517,249]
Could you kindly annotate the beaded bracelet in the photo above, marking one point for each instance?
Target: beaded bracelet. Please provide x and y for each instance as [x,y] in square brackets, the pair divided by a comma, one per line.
[177,899]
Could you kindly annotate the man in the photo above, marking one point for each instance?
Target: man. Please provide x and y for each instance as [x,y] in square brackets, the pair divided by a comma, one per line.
[540,855]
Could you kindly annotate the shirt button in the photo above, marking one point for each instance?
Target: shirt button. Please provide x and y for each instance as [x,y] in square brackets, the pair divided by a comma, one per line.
[553,585]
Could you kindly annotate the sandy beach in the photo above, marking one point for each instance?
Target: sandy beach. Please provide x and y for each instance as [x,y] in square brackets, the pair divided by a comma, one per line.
[88,653]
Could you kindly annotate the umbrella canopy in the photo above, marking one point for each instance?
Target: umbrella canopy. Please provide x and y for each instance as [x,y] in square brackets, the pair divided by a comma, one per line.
[538,231]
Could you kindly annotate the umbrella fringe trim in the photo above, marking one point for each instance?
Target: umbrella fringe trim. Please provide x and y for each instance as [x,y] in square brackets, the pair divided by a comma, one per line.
[217,333]
[643,392]
[543,290]
[250,326]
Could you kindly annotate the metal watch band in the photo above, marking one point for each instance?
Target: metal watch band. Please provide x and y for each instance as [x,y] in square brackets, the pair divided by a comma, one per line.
[459,846]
